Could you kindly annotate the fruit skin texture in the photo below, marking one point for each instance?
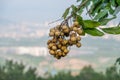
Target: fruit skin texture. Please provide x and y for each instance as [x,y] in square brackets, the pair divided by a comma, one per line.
[76,23]
[52,52]
[79,32]
[64,36]
[66,51]
[51,34]
[64,27]
[57,33]
[78,38]
[54,48]
[78,44]
[73,39]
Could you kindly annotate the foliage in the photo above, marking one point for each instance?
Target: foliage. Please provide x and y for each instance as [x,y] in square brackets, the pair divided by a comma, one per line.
[16,71]
[100,13]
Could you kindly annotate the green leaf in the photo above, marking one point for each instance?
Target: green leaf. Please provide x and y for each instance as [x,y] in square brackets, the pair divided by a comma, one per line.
[113,2]
[94,32]
[80,11]
[74,8]
[80,20]
[112,30]
[117,61]
[101,14]
[66,13]
[117,10]
[118,2]
[78,0]
[105,21]
[90,24]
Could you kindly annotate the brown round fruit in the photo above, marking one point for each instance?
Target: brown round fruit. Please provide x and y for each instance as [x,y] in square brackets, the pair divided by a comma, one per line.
[59,53]
[50,45]
[54,48]
[64,42]
[60,40]
[48,42]
[78,44]
[58,57]
[63,48]
[64,27]
[66,30]
[61,33]
[73,39]
[57,33]
[54,40]
[79,31]
[66,51]
[52,30]
[63,54]
[52,52]
[58,27]
[76,23]
[51,34]
[59,46]
[78,38]
[73,35]
[75,29]
[70,43]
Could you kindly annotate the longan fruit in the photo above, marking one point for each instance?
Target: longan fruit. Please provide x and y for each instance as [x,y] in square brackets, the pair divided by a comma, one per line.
[52,52]
[50,45]
[64,42]
[64,27]
[79,31]
[54,40]
[78,38]
[54,48]
[63,48]
[59,46]
[64,54]
[51,34]
[48,42]
[73,35]
[70,43]
[57,33]
[66,30]
[78,44]
[59,53]
[76,23]
[73,39]
[52,30]
[61,33]
[60,39]
[66,51]
[58,57]
[75,29]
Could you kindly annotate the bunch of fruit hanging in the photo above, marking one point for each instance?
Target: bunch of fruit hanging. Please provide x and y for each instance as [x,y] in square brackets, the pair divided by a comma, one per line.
[64,36]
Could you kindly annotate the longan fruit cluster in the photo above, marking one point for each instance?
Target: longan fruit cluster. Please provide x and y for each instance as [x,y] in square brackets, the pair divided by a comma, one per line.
[64,36]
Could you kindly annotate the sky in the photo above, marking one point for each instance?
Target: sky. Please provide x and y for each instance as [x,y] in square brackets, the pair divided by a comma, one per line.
[33,10]
[30,18]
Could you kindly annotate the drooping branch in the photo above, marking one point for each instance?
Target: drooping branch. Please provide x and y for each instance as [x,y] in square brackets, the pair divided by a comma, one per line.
[79,7]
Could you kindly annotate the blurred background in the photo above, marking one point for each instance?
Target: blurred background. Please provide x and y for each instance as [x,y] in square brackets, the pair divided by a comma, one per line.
[24,32]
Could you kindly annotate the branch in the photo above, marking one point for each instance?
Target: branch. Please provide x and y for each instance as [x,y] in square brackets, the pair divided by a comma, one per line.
[88,13]
[82,4]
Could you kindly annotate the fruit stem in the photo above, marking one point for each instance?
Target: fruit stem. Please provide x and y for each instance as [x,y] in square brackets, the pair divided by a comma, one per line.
[79,7]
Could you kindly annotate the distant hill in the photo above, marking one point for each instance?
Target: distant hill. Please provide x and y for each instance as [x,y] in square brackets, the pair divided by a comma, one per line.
[98,52]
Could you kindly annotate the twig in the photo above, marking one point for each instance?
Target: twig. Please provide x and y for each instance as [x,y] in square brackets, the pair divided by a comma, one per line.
[88,13]
[55,21]
[82,4]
